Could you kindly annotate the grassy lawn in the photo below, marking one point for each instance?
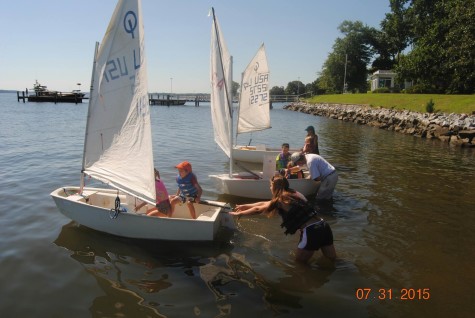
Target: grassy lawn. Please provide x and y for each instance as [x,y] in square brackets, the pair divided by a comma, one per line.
[415,102]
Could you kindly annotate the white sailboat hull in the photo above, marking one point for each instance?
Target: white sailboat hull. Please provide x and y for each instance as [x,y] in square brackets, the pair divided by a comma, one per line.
[243,185]
[255,153]
[93,209]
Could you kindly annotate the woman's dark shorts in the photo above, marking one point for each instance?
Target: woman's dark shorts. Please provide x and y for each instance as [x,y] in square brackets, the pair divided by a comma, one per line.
[316,235]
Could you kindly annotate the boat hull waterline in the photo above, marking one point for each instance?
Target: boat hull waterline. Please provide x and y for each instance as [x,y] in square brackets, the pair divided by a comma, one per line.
[245,185]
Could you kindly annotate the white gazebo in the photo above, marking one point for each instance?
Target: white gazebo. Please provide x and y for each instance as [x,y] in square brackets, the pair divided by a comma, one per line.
[383,78]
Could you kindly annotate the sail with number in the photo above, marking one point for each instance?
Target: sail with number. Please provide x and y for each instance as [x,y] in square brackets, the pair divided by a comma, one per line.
[254,101]
[118,141]
[254,107]
[221,79]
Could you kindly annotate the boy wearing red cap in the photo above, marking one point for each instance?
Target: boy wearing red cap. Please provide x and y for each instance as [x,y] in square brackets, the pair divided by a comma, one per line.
[189,190]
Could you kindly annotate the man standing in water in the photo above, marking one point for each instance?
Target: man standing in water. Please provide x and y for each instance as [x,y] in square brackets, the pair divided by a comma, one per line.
[320,170]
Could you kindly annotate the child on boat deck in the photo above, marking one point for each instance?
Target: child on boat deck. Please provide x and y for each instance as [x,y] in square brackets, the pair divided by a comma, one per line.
[162,207]
[189,190]
[283,158]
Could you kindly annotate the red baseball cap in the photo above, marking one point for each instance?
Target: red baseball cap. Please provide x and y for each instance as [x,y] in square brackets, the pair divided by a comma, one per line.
[185,165]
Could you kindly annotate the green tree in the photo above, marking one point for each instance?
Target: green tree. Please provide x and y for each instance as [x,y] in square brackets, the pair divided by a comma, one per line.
[235,88]
[353,52]
[295,88]
[394,37]
[277,90]
[442,59]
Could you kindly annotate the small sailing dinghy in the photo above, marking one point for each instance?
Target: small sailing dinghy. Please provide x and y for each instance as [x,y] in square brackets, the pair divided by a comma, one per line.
[255,80]
[254,109]
[118,147]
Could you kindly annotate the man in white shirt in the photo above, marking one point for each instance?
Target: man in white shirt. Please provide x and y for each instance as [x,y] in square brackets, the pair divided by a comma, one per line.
[320,170]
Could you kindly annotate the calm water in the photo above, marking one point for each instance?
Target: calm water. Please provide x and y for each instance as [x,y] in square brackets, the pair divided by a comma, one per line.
[403,217]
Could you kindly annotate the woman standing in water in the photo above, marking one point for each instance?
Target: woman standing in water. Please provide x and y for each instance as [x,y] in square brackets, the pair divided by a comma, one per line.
[296,214]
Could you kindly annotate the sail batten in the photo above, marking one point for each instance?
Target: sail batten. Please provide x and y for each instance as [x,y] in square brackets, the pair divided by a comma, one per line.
[254,99]
[118,143]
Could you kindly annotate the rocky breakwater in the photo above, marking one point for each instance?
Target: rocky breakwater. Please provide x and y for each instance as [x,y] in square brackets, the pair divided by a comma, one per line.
[456,129]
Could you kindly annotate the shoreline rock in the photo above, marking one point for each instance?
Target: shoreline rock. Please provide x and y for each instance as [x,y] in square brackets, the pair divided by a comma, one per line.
[456,129]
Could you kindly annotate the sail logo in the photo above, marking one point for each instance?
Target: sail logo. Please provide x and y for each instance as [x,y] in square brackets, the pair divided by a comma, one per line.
[130,22]
[218,83]
[118,66]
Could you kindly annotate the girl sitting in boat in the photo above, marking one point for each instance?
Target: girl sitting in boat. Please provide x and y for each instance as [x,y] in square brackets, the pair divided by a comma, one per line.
[162,207]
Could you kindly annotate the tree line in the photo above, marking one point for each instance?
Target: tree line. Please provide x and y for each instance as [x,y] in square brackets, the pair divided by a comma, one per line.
[430,43]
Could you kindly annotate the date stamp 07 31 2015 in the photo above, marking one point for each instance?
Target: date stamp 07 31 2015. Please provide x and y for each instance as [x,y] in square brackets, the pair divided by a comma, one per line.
[393,293]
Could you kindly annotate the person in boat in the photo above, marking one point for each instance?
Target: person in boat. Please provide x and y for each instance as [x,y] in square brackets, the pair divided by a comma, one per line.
[311,141]
[284,162]
[283,158]
[163,205]
[189,190]
[297,215]
[320,170]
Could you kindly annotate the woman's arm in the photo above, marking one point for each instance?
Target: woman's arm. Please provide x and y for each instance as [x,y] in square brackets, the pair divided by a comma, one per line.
[251,208]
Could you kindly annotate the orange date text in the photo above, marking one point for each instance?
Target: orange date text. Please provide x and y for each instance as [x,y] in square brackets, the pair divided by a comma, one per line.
[393,293]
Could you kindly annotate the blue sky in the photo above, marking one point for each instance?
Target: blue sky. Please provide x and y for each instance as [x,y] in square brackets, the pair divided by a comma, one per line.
[52,41]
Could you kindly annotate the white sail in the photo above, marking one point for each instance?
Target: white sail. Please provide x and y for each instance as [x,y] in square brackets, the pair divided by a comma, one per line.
[118,142]
[220,76]
[254,101]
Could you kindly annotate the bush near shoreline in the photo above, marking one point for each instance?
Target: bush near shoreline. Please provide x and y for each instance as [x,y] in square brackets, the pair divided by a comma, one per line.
[456,129]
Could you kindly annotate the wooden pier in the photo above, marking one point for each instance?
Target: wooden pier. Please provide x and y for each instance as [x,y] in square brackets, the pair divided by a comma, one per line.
[165,99]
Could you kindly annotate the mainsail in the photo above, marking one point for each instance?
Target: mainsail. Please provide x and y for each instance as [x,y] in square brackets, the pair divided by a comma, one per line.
[253,112]
[118,142]
[221,79]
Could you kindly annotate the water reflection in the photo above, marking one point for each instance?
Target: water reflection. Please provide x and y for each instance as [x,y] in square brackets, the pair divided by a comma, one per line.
[135,275]
[162,279]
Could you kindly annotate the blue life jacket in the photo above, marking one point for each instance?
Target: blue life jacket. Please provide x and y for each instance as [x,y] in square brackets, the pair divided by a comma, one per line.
[186,187]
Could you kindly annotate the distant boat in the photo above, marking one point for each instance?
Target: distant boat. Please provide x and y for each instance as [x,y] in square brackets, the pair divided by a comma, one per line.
[43,94]
[118,148]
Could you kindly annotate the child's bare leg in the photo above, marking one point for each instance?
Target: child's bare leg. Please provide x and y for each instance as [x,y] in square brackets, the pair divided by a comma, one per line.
[174,201]
[192,209]
[155,212]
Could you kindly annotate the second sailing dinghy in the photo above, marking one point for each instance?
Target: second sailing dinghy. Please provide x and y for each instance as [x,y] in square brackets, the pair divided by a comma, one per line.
[118,147]
[254,109]
[255,78]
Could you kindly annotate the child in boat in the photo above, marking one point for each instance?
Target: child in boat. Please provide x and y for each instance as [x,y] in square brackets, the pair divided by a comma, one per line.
[283,158]
[162,206]
[189,190]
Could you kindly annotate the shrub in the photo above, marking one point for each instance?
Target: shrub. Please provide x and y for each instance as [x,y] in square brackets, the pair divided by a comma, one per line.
[430,106]
[381,90]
